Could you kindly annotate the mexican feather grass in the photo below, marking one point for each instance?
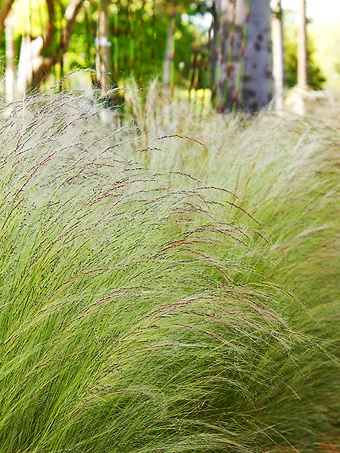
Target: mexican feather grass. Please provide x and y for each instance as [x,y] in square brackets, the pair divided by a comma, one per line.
[167,284]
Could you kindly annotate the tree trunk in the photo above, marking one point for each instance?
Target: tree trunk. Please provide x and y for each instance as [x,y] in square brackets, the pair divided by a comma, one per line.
[103,49]
[41,66]
[213,32]
[10,67]
[278,61]
[167,59]
[30,60]
[168,65]
[6,8]
[244,67]
[302,47]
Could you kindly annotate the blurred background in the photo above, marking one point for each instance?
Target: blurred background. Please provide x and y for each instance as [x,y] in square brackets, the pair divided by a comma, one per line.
[44,43]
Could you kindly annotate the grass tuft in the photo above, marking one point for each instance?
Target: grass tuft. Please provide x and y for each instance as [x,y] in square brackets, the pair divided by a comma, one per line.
[168,282]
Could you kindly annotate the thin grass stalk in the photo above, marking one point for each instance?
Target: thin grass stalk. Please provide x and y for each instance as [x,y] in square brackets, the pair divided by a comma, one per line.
[139,304]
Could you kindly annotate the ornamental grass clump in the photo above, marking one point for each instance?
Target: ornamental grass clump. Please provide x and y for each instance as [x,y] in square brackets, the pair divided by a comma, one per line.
[155,291]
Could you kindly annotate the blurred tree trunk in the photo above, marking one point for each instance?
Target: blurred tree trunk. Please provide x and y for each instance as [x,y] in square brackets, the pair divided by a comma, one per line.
[34,66]
[7,22]
[244,75]
[4,13]
[168,65]
[29,57]
[103,49]
[46,63]
[10,66]
[278,56]
[167,58]
[302,47]
[214,29]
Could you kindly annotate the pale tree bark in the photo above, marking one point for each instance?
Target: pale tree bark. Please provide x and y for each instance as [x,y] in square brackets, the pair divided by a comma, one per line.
[166,76]
[302,46]
[278,56]
[33,65]
[10,66]
[213,32]
[257,90]
[168,64]
[103,49]
[231,20]
[6,23]
[29,59]
[245,60]
[6,8]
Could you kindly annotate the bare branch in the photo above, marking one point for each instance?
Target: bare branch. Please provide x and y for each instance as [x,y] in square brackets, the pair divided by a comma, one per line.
[70,17]
[71,13]
[50,29]
[4,13]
